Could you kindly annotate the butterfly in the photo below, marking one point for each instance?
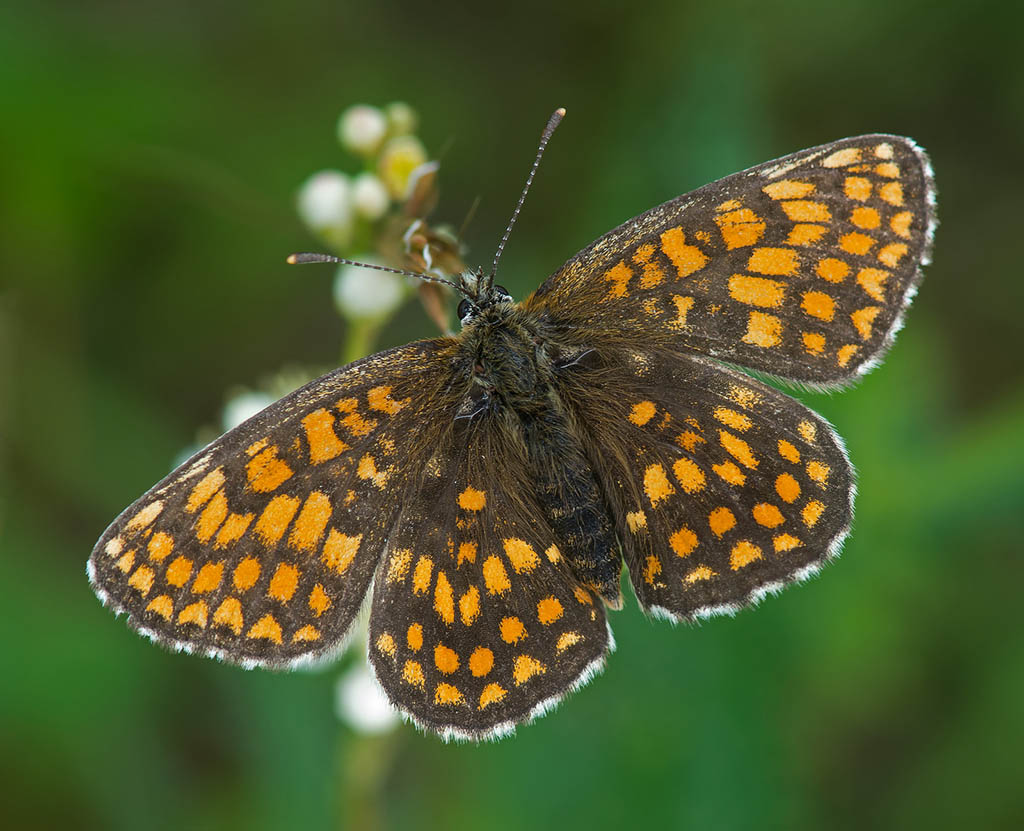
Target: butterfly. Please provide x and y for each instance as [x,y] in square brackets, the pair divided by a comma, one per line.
[484,490]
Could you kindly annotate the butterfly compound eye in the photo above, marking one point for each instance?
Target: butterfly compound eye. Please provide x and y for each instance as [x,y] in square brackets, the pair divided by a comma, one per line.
[502,293]
[463,310]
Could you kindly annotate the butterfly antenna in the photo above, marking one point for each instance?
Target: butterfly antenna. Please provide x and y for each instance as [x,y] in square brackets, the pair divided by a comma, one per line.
[298,259]
[553,122]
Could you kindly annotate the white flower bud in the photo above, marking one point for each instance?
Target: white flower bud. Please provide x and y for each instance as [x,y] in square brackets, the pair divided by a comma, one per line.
[366,292]
[242,407]
[402,118]
[325,201]
[362,703]
[361,129]
[370,197]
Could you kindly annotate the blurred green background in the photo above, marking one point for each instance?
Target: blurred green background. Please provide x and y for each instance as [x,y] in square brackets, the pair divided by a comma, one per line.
[150,157]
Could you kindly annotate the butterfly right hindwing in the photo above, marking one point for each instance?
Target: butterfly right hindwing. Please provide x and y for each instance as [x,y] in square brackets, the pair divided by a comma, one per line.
[722,487]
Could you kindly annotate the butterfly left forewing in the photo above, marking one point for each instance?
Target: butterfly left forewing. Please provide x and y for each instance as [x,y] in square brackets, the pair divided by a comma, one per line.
[260,548]
[722,487]
[477,624]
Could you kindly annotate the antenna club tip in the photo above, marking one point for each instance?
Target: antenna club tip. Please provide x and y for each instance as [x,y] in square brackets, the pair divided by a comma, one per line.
[560,112]
[292,259]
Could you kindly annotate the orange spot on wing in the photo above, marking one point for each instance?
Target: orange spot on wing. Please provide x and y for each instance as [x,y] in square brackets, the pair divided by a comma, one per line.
[656,484]
[743,554]
[818,304]
[445,659]
[686,258]
[194,613]
[652,569]
[767,515]
[481,661]
[774,261]
[804,234]
[283,583]
[892,192]
[652,275]
[683,306]
[412,673]
[738,449]
[788,451]
[526,668]
[787,487]
[207,487]
[864,319]
[818,471]
[642,413]
[414,636]
[467,553]
[421,575]
[683,541]
[386,645]
[160,546]
[208,579]
[306,633]
[740,228]
[379,399]
[635,520]
[161,605]
[808,431]
[472,499]
[142,580]
[812,512]
[814,342]
[229,614]
[448,694]
[842,158]
[213,515]
[699,574]
[367,469]
[549,610]
[232,529]
[856,243]
[324,443]
[398,565]
[845,353]
[340,550]
[901,222]
[756,291]
[690,476]
[179,571]
[246,573]
[127,561]
[274,520]
[730,473]
[891,254]
[802,210]
[491,694]
[831,269]
[311,522]
[866,218]
[721,520]
[521,554]
[763,330]
[888,170]
[567,639]
[495,577]
[319,602]
[469,606]
[145,517]
[731,418]
[785,542]
[619,276]
[444,598]
[788,189]
[873,280]
[512,630]
[857,187]
[265,471]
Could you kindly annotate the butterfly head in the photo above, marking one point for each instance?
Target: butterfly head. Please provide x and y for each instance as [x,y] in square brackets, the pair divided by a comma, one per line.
[481,294]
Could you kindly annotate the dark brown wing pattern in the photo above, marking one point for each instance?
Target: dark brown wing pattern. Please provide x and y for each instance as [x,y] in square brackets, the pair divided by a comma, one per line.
[260,549]
[800,267]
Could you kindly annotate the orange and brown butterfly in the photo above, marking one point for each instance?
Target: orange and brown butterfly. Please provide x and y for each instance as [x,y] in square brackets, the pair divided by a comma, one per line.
[485,489]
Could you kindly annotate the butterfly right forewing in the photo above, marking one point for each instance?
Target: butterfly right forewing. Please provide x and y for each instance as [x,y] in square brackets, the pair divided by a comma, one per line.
[800,267]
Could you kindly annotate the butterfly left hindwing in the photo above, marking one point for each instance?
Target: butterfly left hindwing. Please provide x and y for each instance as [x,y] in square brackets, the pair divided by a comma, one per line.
[477,622]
